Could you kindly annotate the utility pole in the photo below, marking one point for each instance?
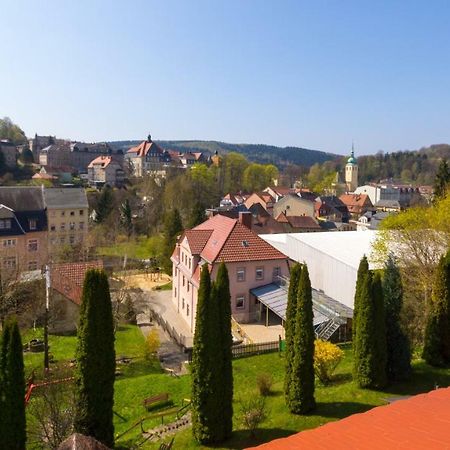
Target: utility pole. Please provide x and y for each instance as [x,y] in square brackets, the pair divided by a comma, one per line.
[47,305]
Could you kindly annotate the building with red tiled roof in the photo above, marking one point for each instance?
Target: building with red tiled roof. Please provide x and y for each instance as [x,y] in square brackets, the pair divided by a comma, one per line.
[146,157]
[418,423]
[67,285]
[251,263]
[105,170]
[357,204]
[263,198]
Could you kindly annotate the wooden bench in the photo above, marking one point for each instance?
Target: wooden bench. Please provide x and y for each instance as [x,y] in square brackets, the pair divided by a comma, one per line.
[160,398]
[168,446]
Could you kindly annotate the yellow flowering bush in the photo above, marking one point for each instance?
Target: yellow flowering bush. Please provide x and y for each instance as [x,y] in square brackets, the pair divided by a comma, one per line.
[327,356]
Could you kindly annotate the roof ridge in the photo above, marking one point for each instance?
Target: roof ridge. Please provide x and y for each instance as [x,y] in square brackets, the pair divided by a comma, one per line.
[226,240]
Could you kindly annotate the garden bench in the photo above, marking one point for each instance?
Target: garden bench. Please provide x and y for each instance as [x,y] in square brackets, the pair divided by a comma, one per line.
[163,398]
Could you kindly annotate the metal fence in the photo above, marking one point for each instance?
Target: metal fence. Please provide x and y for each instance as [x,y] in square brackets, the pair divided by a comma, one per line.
[179,338]
[242,350]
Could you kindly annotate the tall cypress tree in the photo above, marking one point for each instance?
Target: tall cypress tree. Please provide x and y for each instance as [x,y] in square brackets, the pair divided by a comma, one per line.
[363,269]
[289,326]
[301,391]
[370,342]
[96,362]
[436,349]
[224,377]
[397,342]
[206,358]
[12,388]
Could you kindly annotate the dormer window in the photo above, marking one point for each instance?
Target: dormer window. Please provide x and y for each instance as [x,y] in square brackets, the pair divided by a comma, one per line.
[5,224]
[32,224]
[245,244]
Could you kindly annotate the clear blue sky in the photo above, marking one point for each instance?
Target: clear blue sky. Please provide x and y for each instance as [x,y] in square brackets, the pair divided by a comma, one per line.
[309,73]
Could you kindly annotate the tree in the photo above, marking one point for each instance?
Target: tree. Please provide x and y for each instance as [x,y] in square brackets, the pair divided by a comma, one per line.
[363,270]
[95,355]
[197,215]
[289,326]
[12,388]
[442,179]
[398,348]
[11,131]
[26,156]
[234,165]
[327,356]
[172,228]
[224,377]
[370,339]
[126,217]
[301,392]
[105,204]
[206,407]
[437,333]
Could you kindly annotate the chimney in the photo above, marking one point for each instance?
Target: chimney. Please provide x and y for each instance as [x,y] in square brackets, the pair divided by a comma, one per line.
[245,218]
[149,138]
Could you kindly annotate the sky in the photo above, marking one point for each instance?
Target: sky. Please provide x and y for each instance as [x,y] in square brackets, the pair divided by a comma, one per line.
[315,74]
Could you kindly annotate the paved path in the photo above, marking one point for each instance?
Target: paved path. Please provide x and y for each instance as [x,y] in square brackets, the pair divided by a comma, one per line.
[169,353]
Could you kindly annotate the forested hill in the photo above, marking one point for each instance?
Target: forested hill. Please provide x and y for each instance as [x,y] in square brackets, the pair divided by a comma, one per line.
[280,156]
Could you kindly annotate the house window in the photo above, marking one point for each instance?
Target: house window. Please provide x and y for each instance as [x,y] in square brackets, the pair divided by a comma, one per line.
[32,265]
[189,263]
[72,239]
[81,212]
[240,302]
[52,228]
[81,225]
[72,213]
[188,286]
[9,243]
[5,224]
[32,245]
[175,291]
[72,225]
[187,310]
[32,224]
[184,280]
[276,272]
[182,304]
[260,273]
[9,262]
[240,274]
[63,226]
[63,213]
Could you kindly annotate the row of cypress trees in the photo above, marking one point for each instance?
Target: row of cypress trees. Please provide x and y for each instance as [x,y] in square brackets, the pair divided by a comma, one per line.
[299,335]
[12,388]
[381,348]
[211,369]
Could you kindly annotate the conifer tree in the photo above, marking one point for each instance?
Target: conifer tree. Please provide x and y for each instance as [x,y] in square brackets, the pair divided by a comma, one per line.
[370,340]
[95,355]
[398,348]
[289,326]
[437,333]
[363,269]
[301,390]
[224,377]
[172,228]
[197,215]
[442,180]
[105,204]
[206,357]
[12,388]
[126,217]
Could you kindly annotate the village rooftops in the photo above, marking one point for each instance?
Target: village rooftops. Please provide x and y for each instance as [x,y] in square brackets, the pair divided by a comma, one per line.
[102,161]
[146,147]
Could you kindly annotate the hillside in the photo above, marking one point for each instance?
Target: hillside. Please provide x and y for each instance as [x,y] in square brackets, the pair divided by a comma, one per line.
[280,156]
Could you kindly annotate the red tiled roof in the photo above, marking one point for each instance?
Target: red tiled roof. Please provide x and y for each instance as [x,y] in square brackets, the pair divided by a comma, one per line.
[68,278]
[231,241]
[354,199]
[144,147]
[421,422]
[197,240]
[282,218]
[302,222]
[104,161]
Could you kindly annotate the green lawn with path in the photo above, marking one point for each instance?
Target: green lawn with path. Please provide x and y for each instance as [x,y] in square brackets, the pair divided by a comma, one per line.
[141,379]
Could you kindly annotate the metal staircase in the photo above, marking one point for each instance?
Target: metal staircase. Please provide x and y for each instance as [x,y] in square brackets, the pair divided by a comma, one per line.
[326,329]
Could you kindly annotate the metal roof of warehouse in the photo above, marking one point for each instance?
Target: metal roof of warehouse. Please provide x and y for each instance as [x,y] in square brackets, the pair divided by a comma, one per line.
[274,297]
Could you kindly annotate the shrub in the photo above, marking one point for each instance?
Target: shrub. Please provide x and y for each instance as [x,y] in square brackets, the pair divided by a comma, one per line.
[152,343]
[264,382]
[253,412]
[327,356]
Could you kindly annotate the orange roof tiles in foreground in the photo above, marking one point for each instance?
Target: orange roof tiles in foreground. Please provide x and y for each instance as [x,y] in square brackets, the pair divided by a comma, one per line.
[421,422]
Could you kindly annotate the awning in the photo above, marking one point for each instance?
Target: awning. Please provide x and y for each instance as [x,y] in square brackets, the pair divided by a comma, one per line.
[325,308]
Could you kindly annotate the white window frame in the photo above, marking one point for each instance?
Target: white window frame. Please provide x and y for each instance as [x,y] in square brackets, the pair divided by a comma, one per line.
[238,298]
[33,245]
[261,271]
[240,274]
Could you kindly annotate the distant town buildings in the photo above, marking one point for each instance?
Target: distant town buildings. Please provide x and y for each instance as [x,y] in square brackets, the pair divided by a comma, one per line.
[8,150]
[105,170]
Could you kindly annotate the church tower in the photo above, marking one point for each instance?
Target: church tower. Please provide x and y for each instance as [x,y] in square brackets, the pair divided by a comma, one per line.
[351,173]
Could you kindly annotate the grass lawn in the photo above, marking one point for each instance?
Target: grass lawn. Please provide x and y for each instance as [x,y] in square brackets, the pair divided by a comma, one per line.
[140,248]
[141,379]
